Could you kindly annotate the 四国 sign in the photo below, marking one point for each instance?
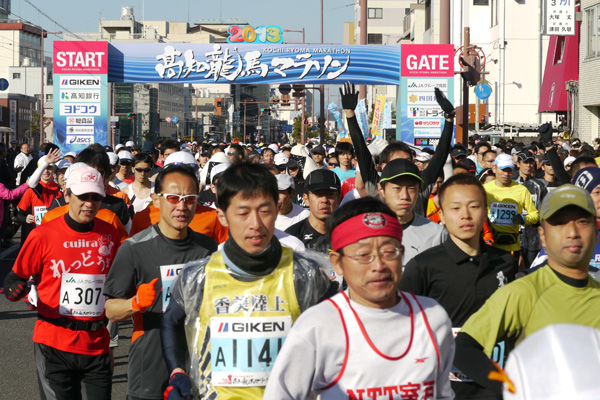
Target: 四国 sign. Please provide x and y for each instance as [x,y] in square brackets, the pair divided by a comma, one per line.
[560,17]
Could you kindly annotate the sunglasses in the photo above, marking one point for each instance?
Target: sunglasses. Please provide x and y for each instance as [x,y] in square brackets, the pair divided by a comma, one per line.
[204,154]
[143,169]
[333,164]
[175,198]
[90,197]
[123,162]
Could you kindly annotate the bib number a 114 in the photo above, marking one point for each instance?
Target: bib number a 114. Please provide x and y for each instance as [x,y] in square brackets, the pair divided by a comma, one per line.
[244,349]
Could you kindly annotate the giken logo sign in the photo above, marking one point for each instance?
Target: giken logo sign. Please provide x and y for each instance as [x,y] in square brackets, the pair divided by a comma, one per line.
[80,82]
[82,59]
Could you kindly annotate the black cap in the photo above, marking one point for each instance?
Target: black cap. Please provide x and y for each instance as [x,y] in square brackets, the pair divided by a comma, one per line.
[322,179]
[546,159]
[108,149]
[459,153]
[318,149]
[400,167]
[467,164]
[545,127]
[525,155]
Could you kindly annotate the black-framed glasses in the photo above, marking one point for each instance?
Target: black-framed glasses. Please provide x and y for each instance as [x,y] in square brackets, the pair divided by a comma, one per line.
[173,198]
[146,170]
[389,254]
[89,197]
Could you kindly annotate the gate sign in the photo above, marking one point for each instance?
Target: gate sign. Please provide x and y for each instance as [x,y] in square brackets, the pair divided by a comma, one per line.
[80,85]
[253,63]
[424,67]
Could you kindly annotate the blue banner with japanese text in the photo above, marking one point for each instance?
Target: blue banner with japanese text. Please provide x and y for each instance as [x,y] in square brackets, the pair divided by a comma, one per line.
[253,63]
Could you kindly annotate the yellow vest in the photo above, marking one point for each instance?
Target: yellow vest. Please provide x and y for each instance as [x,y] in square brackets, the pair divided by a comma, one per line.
[242,328]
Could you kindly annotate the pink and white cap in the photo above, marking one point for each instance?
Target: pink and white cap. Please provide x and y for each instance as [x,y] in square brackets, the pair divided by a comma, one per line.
[85,180]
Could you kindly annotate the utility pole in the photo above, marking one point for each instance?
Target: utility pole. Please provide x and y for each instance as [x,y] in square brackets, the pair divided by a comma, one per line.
[363,39]
[321,95]
[465,102]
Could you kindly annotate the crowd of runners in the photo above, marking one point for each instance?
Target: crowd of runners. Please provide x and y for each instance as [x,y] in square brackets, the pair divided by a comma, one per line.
[350,270]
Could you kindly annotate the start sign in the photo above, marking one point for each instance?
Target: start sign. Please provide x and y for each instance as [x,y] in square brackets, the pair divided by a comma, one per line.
[74,58]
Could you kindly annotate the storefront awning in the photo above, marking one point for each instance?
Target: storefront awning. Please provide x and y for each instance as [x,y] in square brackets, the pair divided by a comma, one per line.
[562,65]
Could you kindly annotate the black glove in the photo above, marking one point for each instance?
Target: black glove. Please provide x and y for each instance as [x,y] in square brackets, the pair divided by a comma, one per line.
[180,387]
[518,219]
[444,104]
[349,96]
[545,131]
[15,287]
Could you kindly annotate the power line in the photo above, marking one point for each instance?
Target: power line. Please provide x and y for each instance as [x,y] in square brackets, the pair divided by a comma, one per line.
[53,20]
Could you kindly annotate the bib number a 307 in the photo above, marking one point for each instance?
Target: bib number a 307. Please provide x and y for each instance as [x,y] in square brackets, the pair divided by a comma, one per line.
[81,295]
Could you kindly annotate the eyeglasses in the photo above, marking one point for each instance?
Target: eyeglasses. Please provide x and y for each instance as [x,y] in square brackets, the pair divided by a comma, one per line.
[175,198]
[89,197]
[333,164]
[125,162]
[146,170]
[205,154]
[367,258]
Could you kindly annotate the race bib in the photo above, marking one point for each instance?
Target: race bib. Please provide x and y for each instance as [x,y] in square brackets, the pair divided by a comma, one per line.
[168,273]
[243,350]
[498,355]
[502,213]
[81,295]
[38,214]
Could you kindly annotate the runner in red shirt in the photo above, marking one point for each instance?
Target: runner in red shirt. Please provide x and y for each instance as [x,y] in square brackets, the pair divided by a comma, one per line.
[71,255]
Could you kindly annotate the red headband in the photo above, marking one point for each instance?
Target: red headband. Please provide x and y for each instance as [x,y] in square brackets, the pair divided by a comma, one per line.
[364,226]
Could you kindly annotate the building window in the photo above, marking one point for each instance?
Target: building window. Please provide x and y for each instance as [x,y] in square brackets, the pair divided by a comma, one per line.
[494,12]
[374,38]
[427,15]
[375,13]
[481,2]
[559,51]
[592,26]
[16,75]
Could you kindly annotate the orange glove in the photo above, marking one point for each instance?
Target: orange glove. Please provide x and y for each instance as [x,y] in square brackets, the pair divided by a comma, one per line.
[145,296]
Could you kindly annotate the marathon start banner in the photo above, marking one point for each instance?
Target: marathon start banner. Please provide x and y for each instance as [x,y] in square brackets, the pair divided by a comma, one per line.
[83,70]
[252,63]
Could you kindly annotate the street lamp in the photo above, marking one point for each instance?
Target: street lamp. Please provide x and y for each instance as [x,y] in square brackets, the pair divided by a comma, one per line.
[43,34]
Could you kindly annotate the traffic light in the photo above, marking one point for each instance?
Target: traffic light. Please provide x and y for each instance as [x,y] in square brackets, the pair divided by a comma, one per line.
[298,91]
[471,75]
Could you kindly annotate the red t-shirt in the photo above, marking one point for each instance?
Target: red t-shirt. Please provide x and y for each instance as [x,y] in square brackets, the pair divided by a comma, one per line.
[36,205]
[53,250]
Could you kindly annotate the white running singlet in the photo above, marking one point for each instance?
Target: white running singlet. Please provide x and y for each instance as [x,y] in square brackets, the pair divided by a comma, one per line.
[367,373]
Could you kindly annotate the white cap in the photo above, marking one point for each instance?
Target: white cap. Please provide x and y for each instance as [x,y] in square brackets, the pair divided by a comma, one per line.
[331,150]
[557,362]
[125,155]
[281,159]
[284,182]
[129,143]
[119,146]
[113,157]
[217,170]
[71,154]
[568,160]
[180,157]
[62,164]
[423,157]
[274,147]
[85,179]
[504,161]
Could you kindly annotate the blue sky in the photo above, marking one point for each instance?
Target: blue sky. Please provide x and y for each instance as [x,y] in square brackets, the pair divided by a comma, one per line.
[83,15]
